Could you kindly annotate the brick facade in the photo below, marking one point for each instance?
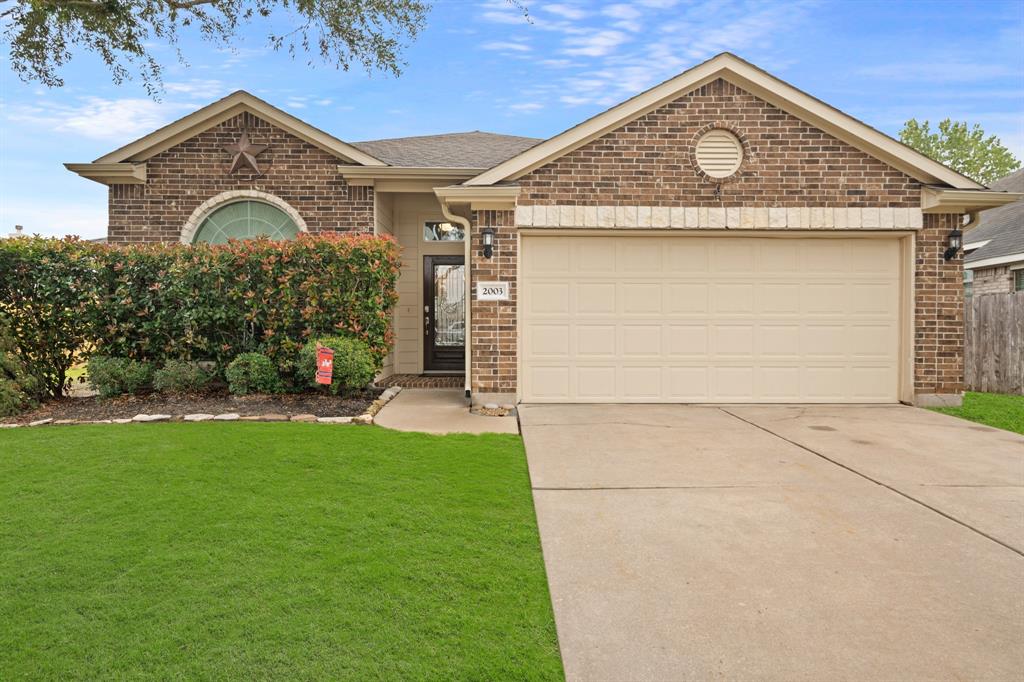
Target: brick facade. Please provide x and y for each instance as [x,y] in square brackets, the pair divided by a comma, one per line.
[789,163]
[939,308]
[493,332]
[997,280]
[181,178]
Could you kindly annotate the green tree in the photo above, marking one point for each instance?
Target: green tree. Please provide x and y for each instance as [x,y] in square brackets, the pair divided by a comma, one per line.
[963,148]
[44,35]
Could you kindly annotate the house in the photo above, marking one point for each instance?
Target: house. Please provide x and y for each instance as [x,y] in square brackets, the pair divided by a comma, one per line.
[994,249]
[722,237]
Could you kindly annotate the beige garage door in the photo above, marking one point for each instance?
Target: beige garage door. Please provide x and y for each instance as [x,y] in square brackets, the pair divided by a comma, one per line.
[709,319]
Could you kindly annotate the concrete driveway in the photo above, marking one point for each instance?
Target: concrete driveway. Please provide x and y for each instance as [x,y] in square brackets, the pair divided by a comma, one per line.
[788,543]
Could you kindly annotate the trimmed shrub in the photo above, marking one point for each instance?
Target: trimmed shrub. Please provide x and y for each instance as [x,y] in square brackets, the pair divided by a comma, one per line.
[354,365]
[156,303]
[18,388]
[252,373]
[204,302]
[48,294]
[181,376]
[118,376]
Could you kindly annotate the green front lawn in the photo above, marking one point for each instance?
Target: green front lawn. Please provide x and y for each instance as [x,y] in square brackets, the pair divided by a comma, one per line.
[269,551]
[994,409]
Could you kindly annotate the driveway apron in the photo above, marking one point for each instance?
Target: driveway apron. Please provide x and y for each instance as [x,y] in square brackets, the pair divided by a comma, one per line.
[801,543]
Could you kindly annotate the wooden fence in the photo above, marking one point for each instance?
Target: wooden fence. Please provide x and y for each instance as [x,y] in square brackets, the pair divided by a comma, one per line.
[994,343]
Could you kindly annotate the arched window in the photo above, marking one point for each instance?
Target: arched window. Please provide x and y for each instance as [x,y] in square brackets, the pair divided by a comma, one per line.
[245,220]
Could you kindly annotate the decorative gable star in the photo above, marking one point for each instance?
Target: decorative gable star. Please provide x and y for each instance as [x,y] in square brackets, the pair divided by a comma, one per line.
[245,153]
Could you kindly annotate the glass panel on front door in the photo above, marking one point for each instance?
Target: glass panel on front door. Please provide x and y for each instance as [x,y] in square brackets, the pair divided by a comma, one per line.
[449,305]
[445,313]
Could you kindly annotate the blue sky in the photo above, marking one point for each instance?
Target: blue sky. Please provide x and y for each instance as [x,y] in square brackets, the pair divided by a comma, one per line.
[481,65]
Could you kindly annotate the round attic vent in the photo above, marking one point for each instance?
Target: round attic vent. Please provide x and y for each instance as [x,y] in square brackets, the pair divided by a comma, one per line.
[719,153]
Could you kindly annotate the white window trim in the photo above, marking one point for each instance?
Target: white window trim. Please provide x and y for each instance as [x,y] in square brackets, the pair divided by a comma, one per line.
[188,232]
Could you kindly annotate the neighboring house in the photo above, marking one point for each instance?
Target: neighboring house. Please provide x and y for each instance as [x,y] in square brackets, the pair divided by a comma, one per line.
[721,237]
[994,249]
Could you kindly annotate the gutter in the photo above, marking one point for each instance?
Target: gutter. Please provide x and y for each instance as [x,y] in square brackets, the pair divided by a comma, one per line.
[467,242]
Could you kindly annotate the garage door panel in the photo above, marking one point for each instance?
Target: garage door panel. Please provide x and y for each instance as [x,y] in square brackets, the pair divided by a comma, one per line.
[549,340]
[779,341]
[686,384]
[779,383]
[733,256]
[596,298]
[639,257]
[779,298]
[778,256]
[732,340]
[682,298]
[825,256]
[822,299]
[733,298]
[687,341]
[547,298]
[687,256]
[595,340]
[641,340]
[710,319]
[594,257]
[596,383]
[642,382]
[640,298]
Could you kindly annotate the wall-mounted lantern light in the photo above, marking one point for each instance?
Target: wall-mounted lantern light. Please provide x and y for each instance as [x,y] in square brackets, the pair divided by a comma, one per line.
[488,236]
[954,241]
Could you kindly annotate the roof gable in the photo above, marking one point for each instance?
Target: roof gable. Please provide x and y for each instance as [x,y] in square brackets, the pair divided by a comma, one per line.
[759,83]
[224,109]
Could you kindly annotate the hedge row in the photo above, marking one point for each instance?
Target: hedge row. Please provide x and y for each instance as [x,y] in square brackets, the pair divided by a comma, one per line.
[161,302]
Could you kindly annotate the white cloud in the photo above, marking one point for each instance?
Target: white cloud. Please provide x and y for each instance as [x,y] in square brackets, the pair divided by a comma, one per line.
[100,119]
[506,46]
[621,11]
[557,63]
[565,11]
[596,44]
[198,88]
[526,107]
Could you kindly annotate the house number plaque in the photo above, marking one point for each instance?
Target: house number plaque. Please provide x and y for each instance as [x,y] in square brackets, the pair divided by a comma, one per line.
[492,291]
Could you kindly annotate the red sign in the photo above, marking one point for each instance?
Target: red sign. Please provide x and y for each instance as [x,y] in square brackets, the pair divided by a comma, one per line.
[324,365]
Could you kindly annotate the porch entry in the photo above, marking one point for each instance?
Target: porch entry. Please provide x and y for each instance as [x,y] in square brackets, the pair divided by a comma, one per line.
[444,313]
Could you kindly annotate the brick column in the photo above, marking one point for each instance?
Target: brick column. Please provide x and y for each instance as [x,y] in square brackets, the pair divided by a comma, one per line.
[939,323]
[493,332]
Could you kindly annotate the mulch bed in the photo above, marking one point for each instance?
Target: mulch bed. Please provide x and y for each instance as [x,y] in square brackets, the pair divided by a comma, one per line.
[125,407]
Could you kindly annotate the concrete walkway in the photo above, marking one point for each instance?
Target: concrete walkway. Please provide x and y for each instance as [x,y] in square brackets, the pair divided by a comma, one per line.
[439,410]
[778,543]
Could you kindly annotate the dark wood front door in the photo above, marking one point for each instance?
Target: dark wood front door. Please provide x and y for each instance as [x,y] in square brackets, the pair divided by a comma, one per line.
[444,313]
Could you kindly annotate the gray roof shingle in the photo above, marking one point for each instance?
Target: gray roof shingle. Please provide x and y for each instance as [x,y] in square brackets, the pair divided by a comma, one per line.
[475,149]
[1003,226]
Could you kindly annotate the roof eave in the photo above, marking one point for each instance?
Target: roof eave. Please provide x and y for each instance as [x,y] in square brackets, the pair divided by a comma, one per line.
[110,173]
[485,198]
[947,200]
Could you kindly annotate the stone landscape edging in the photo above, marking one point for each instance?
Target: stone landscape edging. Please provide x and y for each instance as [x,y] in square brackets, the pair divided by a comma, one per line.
[365,418]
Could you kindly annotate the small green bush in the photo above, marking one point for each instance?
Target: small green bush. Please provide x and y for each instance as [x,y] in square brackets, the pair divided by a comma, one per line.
[354,365]
[179,376]
[117,376]
[252,373]
[18,388]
